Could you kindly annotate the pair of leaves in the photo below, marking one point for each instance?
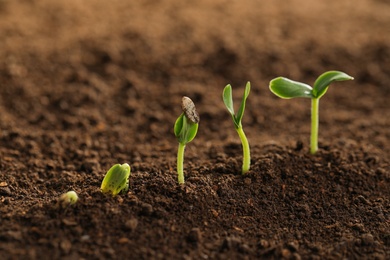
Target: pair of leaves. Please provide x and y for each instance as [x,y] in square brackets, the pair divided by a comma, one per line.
[185,130]
[286,88]
[116,179]
[228,100]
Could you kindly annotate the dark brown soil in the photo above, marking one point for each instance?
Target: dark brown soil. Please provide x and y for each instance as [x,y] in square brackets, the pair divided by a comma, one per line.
[88,84]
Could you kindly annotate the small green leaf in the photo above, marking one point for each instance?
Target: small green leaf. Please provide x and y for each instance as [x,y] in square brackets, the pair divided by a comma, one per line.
[191,132]
[324,80]
[178,125]
[287,88]
[241,110]
[228,99]
[116,179]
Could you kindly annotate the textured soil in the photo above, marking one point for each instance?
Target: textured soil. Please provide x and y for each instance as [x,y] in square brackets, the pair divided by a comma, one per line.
[88,84]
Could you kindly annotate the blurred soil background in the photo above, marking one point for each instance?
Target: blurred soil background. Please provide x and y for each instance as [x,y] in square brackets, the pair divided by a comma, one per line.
[87,84]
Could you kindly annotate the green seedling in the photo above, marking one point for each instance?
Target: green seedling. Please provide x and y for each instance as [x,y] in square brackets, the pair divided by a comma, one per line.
[68,199]
[237,118]
[116,180]
[286,88]
[185,129]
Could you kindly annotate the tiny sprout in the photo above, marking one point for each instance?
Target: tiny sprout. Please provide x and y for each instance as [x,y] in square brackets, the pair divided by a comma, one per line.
[286,88]
[185,129]
[68,199]
[116,180]
[237,118]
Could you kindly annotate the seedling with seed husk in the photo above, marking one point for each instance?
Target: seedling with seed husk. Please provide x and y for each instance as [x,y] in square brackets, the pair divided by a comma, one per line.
[286,88]
[116,179]
[237,118]
[185,129]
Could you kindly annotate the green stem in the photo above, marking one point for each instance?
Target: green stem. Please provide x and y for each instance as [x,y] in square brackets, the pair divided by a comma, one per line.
[246,163]
[180,162]
[314,125]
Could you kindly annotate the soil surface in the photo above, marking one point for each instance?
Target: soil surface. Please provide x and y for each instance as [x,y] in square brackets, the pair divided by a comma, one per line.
[88,84]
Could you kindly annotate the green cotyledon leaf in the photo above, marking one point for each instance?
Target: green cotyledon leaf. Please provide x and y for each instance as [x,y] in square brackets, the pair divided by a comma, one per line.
[185,130]
[228,99]
[324,80]
[287,88]
[241,110]
[116,179]
[177,128]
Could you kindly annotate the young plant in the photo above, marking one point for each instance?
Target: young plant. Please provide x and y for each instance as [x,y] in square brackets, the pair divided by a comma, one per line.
[185,129]
[286,88]
[237,118]
[116,180]
[67,199]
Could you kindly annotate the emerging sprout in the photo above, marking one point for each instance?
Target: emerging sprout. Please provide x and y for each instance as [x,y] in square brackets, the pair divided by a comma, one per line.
[185,129]
[286,88]
[116,180]
[67,199]
[228,100]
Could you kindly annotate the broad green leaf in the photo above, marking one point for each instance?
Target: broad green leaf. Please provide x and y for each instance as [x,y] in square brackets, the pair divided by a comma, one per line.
[241,110]
[228,99]
[116,179]
[324,80]
[287,88]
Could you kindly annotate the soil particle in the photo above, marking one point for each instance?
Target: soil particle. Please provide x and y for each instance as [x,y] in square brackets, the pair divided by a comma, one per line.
[131,224]
[195,236]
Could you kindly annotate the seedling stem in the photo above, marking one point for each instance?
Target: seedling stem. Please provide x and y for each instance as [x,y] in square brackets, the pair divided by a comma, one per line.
[246,151]
[180,162]
[314,125]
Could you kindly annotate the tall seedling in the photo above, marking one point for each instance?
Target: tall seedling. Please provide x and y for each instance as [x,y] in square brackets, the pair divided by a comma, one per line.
[286,88]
